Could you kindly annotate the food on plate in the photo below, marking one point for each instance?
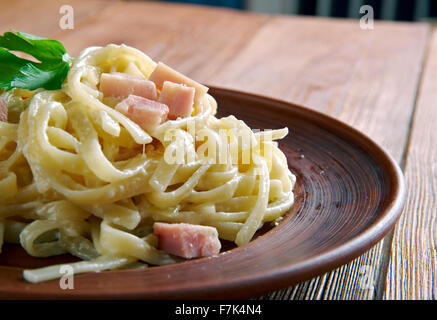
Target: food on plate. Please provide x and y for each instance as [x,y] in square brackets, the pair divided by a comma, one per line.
[187,240]
[119,160]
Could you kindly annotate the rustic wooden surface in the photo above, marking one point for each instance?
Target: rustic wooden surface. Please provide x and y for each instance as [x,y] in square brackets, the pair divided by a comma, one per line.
[370,79]
[412,271]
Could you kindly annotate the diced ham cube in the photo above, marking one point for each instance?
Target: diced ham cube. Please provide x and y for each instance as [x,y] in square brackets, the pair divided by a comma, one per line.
[187,240]
[121,85]
[164,73]
[3,110]
[148,114]
[179,98]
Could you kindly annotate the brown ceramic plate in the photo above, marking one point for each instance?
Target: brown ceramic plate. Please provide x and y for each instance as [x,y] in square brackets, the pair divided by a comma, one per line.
[349,194]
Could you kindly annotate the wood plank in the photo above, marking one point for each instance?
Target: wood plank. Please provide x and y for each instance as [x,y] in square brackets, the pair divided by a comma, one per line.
[329,65]
[43,19]
[412,272]
[197,40]
[334,67]
[356,76]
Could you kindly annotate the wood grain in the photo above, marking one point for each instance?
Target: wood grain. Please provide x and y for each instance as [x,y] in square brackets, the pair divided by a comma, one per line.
[356,76]
[412,272]
[197,40]
[334,67]
[368,79]
[348,196]
[42,17]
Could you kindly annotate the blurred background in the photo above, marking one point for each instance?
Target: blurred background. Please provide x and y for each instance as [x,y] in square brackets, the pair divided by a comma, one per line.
[399,10]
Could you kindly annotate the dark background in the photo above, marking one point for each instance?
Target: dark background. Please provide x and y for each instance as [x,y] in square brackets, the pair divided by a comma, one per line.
[399,10]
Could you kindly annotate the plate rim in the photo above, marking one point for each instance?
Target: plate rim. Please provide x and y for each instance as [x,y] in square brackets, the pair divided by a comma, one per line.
[275,278]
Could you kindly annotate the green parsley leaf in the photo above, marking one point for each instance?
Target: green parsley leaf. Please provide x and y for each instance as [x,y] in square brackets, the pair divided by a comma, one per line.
[48,73]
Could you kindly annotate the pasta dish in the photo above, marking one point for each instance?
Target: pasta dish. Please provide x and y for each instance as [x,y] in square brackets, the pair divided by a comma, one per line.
[126,165]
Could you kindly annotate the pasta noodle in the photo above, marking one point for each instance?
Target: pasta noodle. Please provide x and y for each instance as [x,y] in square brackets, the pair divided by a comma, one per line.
[77,176]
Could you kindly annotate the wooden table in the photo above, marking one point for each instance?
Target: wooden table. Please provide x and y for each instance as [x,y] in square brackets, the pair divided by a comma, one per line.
[381,81]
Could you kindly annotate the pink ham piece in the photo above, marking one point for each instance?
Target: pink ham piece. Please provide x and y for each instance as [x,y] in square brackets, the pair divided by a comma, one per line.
[148,114]
[121,85]
[179,98]
[3,110]
[164,73]
[187,240]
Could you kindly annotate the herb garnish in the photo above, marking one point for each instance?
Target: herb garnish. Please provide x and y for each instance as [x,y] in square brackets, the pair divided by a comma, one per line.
[48,73]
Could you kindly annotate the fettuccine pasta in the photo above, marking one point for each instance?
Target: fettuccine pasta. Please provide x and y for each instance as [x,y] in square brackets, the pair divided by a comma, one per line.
[77,176]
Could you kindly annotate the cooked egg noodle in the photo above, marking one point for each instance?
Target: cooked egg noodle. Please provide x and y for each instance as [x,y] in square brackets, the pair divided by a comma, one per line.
[79,177]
